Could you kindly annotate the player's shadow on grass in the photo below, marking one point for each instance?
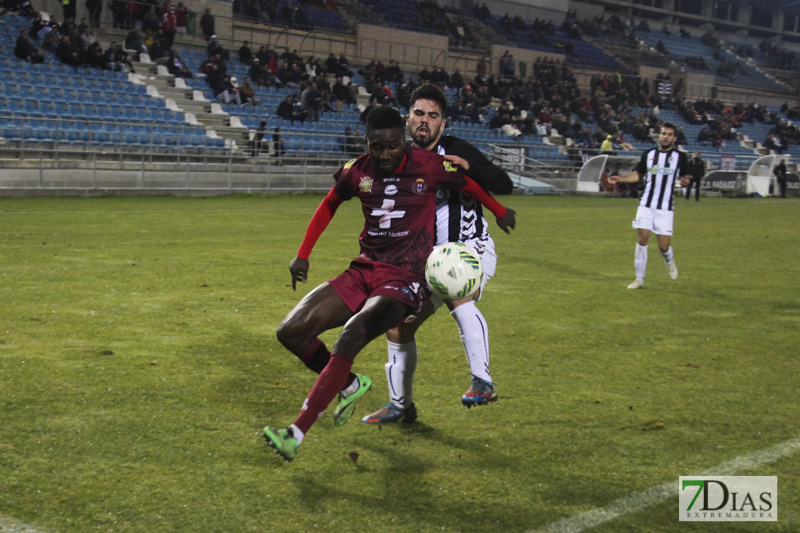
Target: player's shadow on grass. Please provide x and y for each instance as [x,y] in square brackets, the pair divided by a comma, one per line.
[409,491]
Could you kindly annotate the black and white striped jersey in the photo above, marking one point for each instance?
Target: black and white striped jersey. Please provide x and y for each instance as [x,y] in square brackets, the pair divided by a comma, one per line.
[660,171]
[459,217]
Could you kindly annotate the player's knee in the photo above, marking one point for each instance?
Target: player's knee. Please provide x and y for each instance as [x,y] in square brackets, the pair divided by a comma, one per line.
[290,334]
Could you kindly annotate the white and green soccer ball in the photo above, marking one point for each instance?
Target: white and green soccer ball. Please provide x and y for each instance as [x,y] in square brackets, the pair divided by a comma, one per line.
[454,271]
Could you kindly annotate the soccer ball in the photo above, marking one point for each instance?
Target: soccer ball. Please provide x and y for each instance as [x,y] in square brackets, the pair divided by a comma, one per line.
[454,271]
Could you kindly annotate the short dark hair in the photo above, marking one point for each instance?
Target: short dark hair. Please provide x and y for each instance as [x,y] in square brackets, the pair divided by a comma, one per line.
[384,118]
[669,125]
[429,91]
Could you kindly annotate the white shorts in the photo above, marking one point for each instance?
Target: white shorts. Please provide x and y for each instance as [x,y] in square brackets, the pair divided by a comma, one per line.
[485,249]
[659,221]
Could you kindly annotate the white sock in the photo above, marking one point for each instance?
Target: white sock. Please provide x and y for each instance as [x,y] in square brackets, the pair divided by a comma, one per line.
[640,261]
[668,257]
[350,389]
[400,372]
[297,434]
[475,337]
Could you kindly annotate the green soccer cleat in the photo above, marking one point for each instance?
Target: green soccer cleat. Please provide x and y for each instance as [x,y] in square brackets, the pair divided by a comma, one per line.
[347,404]
[282,441]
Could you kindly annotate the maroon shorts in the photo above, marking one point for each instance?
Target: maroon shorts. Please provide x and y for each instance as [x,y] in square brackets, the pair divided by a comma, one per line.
[364,279]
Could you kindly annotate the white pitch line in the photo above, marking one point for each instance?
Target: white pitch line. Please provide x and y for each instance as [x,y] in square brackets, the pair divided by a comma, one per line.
[7,525]
[639,501]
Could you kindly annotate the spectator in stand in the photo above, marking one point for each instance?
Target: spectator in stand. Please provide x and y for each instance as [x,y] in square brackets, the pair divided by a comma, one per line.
[393,72]
[95,57]
[343,140]
[158,50]
[169,25]
[277,144]
[25,49]
[344,66]
[87,38]
[66,54]
[288,110]
[207,24]
[150,23]
[117,59]
[225,92]
[95,8]
[215,48]
[245,54]
[177,66]
[258,73]
[135,42]
[780,175]
[440,77]
[457,80]
[507,64]
[342,93]
[258,140]
[181,14]
[248,93]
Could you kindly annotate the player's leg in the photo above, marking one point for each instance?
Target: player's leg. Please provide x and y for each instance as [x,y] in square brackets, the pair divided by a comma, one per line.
[663,229]
[378,314]
[668,255]
[320,310]
[402,352]
[474,332]
[643,223]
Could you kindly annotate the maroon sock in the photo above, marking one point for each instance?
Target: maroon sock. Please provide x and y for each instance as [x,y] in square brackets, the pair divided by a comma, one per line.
[316,356]
[330,381]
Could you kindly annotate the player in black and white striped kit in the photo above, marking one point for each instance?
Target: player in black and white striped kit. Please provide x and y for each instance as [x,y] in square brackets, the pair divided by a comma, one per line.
[661,167]
[459,218]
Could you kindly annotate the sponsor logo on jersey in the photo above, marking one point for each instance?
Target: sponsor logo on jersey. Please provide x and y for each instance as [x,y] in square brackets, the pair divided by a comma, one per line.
[408,293]
[420,186]
[365,184]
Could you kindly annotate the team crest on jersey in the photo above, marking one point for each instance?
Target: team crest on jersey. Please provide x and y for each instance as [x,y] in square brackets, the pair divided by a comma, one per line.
[448,166]
[349,164]
[366,184]
[420,186]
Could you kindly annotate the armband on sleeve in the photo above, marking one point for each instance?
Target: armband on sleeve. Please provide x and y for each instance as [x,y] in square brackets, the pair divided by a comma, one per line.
[475,190]
[322,217]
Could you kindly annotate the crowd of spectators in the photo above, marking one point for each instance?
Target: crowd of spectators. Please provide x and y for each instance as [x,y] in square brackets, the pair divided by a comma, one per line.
[73,45]
[777,56]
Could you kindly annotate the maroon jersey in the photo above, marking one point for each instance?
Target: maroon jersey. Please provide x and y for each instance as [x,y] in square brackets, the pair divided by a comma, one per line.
[398,209]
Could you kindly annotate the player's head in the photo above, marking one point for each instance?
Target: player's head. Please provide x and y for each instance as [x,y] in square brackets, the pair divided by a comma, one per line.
[426,112]
[385,137]
[666,138]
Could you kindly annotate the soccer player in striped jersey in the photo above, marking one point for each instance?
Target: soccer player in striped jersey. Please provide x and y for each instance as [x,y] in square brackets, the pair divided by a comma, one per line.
[459,218]
[661,168]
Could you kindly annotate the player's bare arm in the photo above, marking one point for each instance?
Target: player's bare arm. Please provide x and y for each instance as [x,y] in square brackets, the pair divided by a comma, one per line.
[684,180]
[633,177]
[299,269]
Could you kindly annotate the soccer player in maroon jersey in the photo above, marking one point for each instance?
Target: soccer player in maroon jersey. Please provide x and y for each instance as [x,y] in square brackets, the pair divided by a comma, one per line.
[381,288]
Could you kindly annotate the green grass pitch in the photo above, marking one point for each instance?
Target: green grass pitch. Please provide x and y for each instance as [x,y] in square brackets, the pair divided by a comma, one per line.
[138,364]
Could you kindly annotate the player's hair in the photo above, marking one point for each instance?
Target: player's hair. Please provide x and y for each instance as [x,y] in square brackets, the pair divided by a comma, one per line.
[670,125]
[384,118]
[429,91]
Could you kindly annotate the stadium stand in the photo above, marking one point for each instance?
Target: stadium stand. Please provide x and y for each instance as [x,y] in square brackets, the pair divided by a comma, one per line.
[553,111]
